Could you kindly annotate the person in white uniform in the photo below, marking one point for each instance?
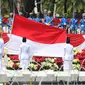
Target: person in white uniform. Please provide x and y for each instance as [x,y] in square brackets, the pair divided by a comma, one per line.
[1,49]
[68,56]
[24,54]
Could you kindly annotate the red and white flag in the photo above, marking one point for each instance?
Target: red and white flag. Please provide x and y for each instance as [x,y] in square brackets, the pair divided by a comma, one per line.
[43,40]
[77,40]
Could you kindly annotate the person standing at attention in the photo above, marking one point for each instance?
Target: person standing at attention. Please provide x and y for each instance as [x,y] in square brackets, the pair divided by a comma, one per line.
[68,56]
[24,55]
[1,49]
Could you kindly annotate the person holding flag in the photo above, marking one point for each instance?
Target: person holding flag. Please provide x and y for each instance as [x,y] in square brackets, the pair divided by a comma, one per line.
[1,49]
[24,55]
[68,56]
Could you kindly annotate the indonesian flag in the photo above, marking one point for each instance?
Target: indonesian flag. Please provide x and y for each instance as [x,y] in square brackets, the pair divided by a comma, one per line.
[77,40]
[43,40]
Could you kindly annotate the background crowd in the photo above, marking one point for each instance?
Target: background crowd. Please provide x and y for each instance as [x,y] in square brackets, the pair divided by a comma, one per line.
[72,25]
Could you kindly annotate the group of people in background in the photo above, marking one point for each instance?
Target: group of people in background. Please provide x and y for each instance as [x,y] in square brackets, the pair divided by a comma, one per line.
[72,25]
[6,22]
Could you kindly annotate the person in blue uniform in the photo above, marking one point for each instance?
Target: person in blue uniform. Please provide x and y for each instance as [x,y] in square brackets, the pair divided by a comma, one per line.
[31,16]
[64,22]
[82,23]
[5,23]
[49,19]
[45,13]
[73,24]
[38,19]
[10,21]
[0,20]
[10,18]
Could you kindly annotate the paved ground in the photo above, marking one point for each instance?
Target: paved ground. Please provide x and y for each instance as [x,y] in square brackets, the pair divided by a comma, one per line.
[50,83]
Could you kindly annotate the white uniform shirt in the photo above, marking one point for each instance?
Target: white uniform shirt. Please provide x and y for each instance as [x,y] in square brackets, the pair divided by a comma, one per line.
[68,52]
[1,46]
[24,51]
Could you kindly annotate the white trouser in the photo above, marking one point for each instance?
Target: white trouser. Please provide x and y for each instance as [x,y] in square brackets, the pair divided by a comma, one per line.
[67,65]
[24,64]
[0,64]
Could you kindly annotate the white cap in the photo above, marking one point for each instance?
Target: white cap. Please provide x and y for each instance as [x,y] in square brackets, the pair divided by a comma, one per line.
[45,10]
[83,14]
[20,13]
[11,13]
[49,11]
[57,15]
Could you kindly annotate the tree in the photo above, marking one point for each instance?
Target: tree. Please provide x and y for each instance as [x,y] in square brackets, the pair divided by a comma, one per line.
[65,6]
[28,6]
[70,5]
[12,5]
[3,6]
[76,5]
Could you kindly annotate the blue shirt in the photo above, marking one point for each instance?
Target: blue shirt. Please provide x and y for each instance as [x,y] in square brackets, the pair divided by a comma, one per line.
[82,25]
[10,19]
[64,21]
[73,23]
[48,20]
[82,21]
[31,18]
[0,19]
[37,19]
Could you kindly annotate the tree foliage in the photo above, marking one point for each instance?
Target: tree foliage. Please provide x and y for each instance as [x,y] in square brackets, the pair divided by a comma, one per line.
[72,5]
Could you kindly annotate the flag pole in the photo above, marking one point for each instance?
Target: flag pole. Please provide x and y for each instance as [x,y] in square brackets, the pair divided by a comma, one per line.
[11,30]
[13,17]
[11,25]
[10,34]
